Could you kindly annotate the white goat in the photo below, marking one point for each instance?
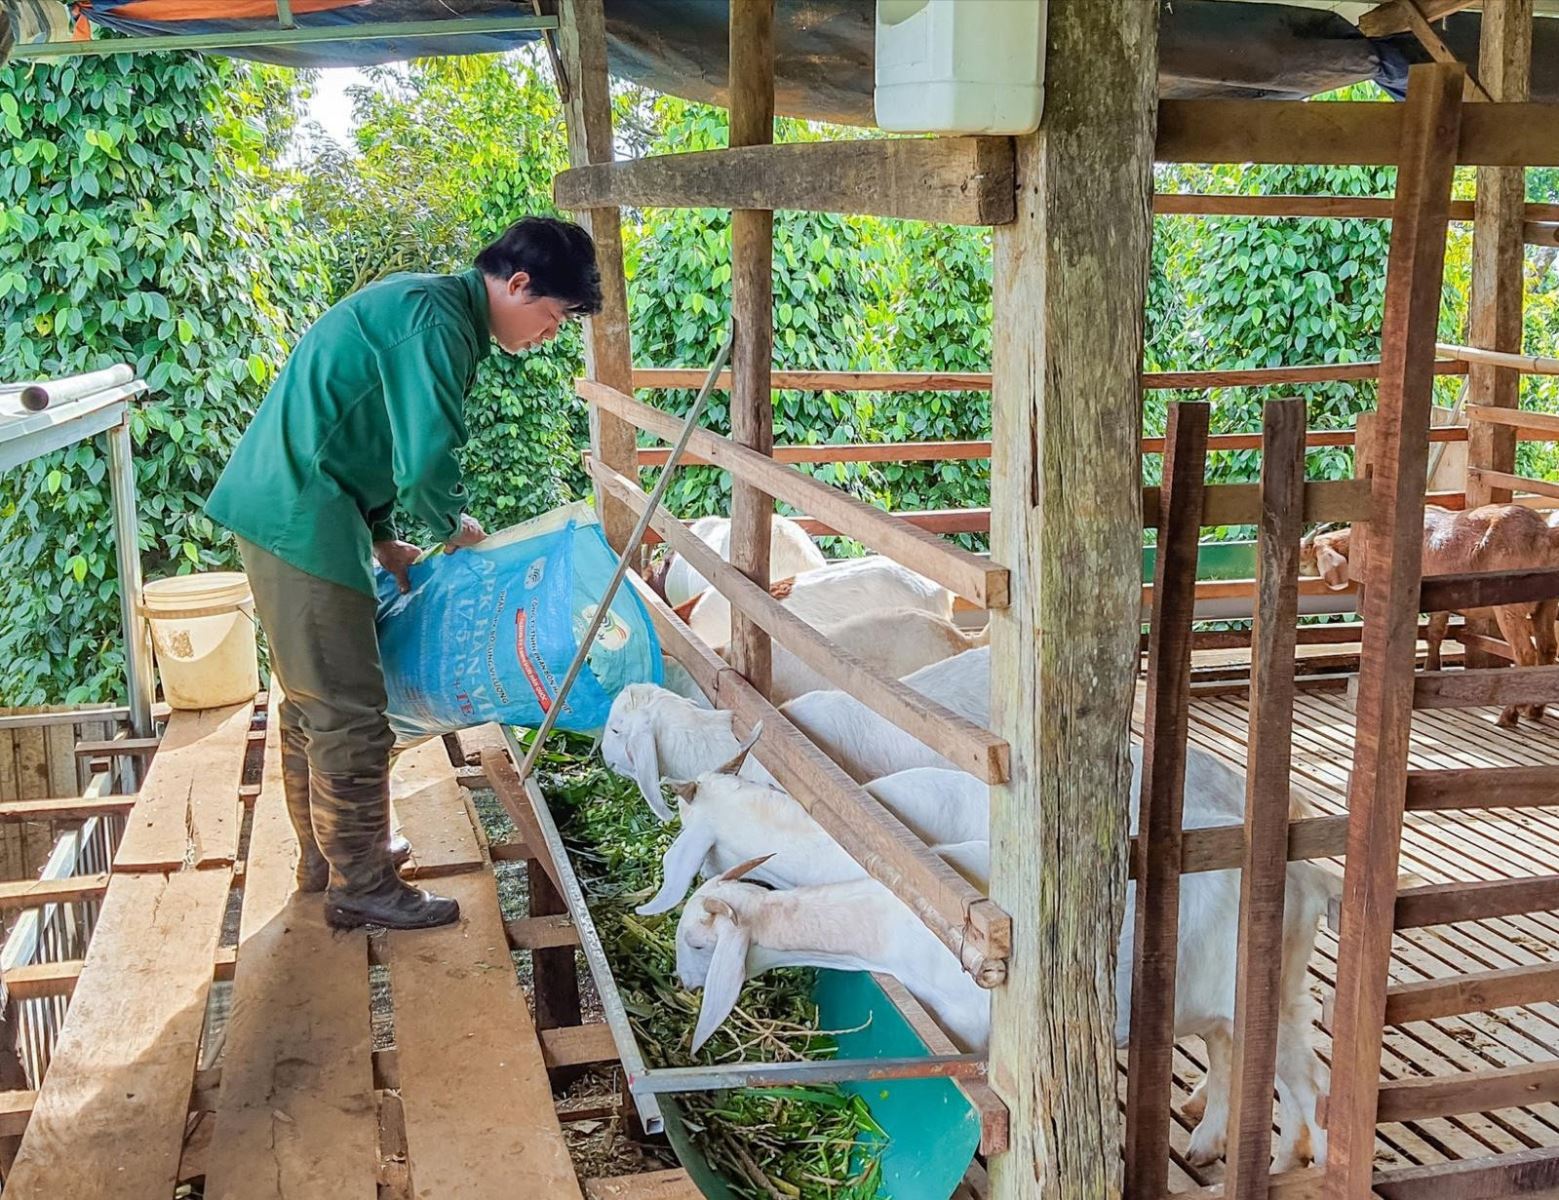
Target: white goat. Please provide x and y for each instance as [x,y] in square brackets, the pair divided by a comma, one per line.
[830,594]
[731,930]
[896,641]
[791,552]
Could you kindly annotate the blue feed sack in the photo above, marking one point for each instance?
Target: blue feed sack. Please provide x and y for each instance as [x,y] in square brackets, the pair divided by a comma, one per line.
[487,633]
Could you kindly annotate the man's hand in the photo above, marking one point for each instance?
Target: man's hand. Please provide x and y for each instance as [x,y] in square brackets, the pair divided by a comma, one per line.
[396,557]
[469,533]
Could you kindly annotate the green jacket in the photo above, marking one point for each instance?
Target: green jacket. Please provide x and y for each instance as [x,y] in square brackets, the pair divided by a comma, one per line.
[367,411]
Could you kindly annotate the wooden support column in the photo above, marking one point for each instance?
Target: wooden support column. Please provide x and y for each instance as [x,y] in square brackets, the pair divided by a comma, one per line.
[1377,788]
[1066,520]
[608,347]
[1498,252]
[751,91]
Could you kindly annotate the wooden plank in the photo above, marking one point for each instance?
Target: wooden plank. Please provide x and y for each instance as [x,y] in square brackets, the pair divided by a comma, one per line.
[1482,787]
[1150,1053]
[1240,503]
[1357,133]
[586,90]
[479,1118]
[188,809]
[1443,903]
[1534,426]
[1523,1173]
[1469,1092]
[750,92]
[15,1111]
[77,808]
[1264,874]
[967,745]
[1431,41]
[34,893]
[33,782]
[1481,991]
[541,933]
[578,1045]
[1476,688]
[431,814]
[554,969]
[956,569]
[1430,123]
[296,1115]
[1494,308]
[1504,484]
[506,785]
[42,979]
[1395,16]
[652,1185]
[1068,297]
[127,747]
[1479,589]
[949,180]
[109,1120]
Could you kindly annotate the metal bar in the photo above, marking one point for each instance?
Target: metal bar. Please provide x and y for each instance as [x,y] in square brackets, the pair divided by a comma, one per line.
[23,439]
[624,560]
[724,1076]
[74,716]
[313,35]
[138,648]
[612,1010]
[284,14]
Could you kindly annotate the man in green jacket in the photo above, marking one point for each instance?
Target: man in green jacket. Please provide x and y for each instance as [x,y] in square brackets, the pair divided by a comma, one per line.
[368,413]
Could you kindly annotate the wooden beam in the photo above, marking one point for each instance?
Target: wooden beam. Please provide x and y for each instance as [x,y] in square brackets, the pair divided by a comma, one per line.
[1494,310]
[1480,589]
[541,933]
[1523,1173]
[1151,1049]
[751,92]
[1445,903]
[1069,292]
[949,180]
[967,745]
[956,569]
[1485,686]
[1431,41]
[1482,787]
[608,348]
[79,808]
[1523,1086]
[1240,503]
[1502,484]
[34,893]
[1264,874]
[577,1045]
[1393,16]
[1377,792]
[1347,133]
[1480,991]
[118,748]
[1526,364]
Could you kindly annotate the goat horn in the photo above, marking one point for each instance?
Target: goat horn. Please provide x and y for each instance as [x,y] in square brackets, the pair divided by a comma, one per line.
[740,869]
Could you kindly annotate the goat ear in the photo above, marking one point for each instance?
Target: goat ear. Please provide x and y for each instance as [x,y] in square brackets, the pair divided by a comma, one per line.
[741,869]
[723,984]
[683,789]
[680,867]
[644,761]
[684,611]
[1333,567]
[734,764]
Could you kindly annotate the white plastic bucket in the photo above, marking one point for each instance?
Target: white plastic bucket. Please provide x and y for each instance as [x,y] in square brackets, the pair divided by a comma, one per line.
[203,632]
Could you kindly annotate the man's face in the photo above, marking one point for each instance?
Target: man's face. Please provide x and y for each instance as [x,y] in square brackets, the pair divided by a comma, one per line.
[521,321]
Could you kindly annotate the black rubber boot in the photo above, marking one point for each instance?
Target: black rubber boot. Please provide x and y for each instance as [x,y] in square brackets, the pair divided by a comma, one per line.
[313,874]
[351,815]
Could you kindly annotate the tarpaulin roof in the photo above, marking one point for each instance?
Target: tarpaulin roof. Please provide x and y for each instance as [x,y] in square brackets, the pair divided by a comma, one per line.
[824,48]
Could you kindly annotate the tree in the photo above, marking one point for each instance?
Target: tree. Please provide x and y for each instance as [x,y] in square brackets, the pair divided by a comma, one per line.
[138,221]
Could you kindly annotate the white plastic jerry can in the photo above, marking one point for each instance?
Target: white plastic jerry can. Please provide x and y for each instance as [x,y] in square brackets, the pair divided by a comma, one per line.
[960,66]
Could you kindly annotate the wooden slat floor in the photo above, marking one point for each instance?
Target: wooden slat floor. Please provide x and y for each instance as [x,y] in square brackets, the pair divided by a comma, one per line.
[1437,848]
[299,1105]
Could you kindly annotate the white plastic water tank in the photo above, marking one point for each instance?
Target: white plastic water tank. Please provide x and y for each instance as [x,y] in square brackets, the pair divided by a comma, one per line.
[960,66]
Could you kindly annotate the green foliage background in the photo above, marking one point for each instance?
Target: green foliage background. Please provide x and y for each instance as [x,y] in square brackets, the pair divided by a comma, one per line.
[149,214]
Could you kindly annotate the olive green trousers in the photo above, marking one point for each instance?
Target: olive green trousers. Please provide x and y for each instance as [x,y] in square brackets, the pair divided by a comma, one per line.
[325,654]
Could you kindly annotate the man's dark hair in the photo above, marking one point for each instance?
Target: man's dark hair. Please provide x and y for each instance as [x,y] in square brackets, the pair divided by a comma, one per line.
[558,256]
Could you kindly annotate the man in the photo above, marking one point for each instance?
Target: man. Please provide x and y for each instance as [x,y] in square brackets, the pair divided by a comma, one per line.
[368,412]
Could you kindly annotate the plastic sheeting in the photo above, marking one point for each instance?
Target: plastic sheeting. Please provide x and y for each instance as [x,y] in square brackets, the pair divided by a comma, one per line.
[824,48]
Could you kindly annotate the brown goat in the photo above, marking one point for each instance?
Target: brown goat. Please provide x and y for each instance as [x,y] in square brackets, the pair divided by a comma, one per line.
[1496,537]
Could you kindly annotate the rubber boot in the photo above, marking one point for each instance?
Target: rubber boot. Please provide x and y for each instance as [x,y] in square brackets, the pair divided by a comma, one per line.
[351,817]
[313,874]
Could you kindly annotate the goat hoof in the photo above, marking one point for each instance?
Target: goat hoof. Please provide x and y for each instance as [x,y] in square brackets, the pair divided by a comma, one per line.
[1507,719]
[1206,1146]
[1533,712]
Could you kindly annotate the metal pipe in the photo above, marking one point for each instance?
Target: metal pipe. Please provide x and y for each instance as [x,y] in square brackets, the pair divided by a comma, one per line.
[241,39]
[612,1008]
[723,1076]
[127,548]
[550,718]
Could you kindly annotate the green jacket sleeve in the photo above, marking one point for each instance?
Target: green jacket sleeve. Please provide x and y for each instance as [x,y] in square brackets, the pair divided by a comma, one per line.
[425,378]
[382,522]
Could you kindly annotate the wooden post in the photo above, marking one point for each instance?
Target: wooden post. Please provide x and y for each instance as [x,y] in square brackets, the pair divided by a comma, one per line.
[751,91]
[1498,252]
[554,971]
[608,347]
[1264,874]
[1377,788]
[1156,944]
[1067,521]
